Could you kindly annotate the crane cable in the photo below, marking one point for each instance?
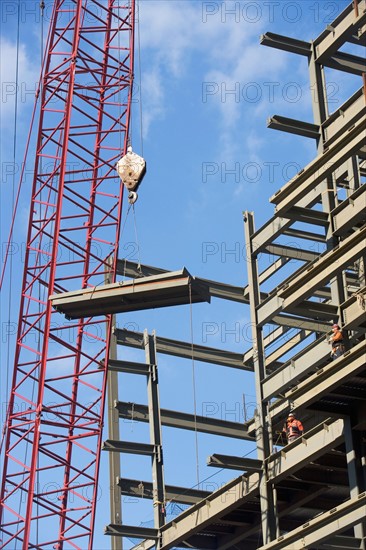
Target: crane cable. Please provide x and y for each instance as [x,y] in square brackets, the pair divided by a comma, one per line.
[194,385]
[12,203]
[140,75]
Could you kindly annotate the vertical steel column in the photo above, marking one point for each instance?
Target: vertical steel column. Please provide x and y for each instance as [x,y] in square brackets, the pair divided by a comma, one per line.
[355,478]
[268,499]
[113,433]
[329,186]
[155,430]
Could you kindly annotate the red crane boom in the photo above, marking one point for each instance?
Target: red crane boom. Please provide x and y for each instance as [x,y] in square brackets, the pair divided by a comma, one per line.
[55,414]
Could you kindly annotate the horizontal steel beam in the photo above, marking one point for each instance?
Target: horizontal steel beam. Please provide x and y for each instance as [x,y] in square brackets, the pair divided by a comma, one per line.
[129,367]
[167,289]
[291,252]
[128,447]
[234,463]
[323,527]
[292,126]
[321,167]
[307,215]
[183,349]
[339,60]
[144,489]
[308,235]
[347,63]
[285,43]
[298,322]
[131,531]
[185,421]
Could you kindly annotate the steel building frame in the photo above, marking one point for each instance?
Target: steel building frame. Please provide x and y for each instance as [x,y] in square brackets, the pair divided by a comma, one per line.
[312,492]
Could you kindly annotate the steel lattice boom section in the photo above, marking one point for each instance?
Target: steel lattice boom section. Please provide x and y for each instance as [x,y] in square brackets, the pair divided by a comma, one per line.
[55,415]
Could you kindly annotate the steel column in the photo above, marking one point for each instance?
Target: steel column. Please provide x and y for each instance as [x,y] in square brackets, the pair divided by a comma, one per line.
[263,427]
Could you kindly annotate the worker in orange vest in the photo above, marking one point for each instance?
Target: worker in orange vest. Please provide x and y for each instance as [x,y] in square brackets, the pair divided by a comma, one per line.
[336,340]
[292,428]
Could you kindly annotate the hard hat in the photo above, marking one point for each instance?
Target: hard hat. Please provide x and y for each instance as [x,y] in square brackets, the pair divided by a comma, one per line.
[335,326]
[291,414]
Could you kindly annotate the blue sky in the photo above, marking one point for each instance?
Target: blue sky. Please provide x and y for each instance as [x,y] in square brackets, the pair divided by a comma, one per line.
[206,91]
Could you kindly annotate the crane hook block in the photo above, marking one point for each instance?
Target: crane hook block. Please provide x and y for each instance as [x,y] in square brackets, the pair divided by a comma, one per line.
[131,169]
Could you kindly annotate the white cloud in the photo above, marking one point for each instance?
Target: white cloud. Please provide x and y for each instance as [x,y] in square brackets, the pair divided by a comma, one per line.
[173,34]
[28,74]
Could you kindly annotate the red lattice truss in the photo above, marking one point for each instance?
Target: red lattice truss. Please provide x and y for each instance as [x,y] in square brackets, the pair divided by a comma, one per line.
[54,425]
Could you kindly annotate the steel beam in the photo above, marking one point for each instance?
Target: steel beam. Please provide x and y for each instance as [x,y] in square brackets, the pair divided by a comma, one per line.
[347,63]
[323,527]
[291,252]
[298,234]
[184,349]
[129,367]
[299,322]
[114,434]
[157,461]
[234,463]
[128,447]
[292,45]
[185,421]
[307,215]
[167,289]
[131,531]
[339,60]
[292,126]
[144,489]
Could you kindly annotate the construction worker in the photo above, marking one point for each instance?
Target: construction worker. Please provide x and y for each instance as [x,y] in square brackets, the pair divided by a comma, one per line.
[336,340]
[292,428]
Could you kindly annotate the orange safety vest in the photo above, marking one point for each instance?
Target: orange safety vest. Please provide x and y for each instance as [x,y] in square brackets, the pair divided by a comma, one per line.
[294,428]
